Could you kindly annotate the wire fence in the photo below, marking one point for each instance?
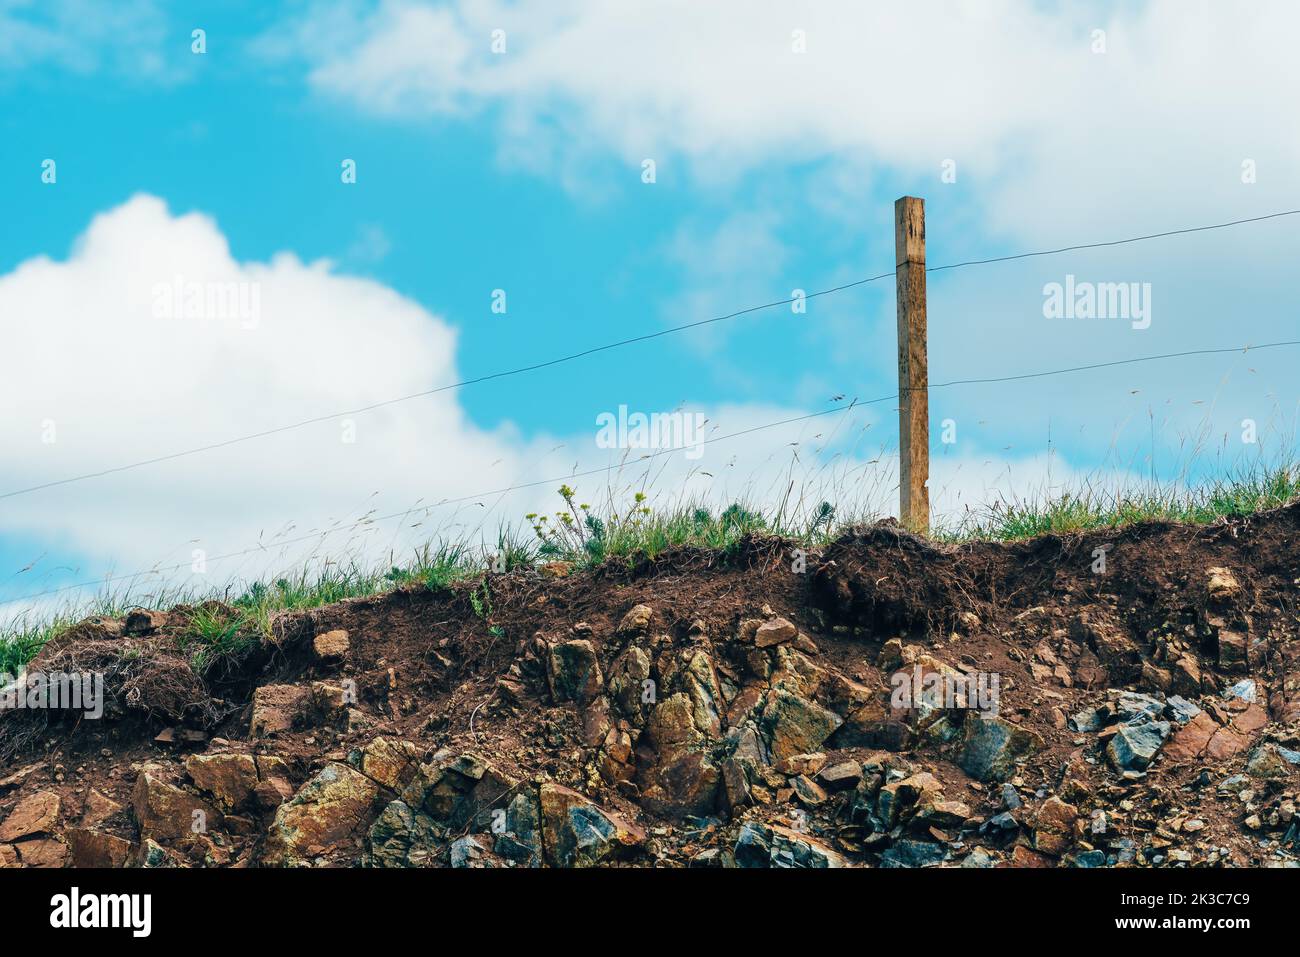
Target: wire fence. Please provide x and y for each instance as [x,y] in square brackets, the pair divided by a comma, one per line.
[840,407]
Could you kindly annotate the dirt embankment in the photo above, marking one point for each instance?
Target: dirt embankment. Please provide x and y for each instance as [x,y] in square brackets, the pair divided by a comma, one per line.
[1127,698]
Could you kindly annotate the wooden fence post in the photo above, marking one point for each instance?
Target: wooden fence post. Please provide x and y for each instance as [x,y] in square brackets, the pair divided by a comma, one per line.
[913,372]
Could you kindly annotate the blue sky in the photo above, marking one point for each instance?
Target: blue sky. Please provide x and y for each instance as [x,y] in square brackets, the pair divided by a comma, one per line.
[776,170]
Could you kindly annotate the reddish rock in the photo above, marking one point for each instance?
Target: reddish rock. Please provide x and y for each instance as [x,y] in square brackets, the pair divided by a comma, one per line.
[34,814]
[165,812]
[91,848]
[576,832]
[45,852]
[275,707]
[98,809]
[778,631]
[230,778]
[330,811]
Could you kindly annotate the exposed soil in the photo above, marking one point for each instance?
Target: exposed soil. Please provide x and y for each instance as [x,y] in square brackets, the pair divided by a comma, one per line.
[706,710]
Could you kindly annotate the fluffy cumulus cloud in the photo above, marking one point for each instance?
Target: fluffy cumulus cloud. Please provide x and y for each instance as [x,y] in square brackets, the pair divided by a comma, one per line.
[150,339]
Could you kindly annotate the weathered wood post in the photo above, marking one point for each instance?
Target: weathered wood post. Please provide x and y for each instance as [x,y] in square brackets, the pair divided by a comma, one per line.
[913,372]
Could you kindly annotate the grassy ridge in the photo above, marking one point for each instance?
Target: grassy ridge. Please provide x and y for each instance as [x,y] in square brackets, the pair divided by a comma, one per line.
[576,533]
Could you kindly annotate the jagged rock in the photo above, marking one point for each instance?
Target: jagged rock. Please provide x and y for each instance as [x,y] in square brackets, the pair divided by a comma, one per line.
[165,812]
[1244,690]
[794,725]
[458,793]
[332,808]
[42,852]
[35,814]
[230,778]
[576,832]
[636,621]
[465,851]
[153,855]
[573,671]
[402,837]
[1270,762]
[91,848]
[627,683]
[98,809]
[845,774]
[980,857]
[1221,584]
[1203,737]
[910,853]
[391,763]
[990,747]
[778,631]
[1054,826]
[941,814]
[521,839]
[685,783]
[328,703]
[275,708]
[1135,745]
[331,645]
[770,845]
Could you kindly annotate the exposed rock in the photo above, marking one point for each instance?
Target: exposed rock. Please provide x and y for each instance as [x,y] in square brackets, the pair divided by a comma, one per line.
[1222,584]
[99,809]
[402,837]
[911,853]
[573,671]
[990,747]
[91,848]
[636,621]
[1269,762]
[465,852]
[333,807]
[389,762]
[230,778]
[1054,826]
[778,631]
[1135,745]
[578,833]
[331,645]
[43,852]
[771,845]
[275,708]
[794,725]
[165,812]
[34,814]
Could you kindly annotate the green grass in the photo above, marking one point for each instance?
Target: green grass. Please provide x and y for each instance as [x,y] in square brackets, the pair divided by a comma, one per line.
[583,535]
[1100,508]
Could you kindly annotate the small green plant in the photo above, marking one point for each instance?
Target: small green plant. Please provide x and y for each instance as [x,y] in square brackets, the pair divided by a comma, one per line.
[217,635]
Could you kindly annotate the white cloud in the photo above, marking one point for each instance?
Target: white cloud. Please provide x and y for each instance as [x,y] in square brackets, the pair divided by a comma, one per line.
[1050,131]
[129,37]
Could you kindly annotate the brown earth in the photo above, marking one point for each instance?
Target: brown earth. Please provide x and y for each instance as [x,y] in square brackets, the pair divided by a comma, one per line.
[709,710]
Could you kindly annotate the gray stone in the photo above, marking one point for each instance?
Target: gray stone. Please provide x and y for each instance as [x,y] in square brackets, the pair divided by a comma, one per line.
[1134,745]
[1244,689]
[979,857]
[763,845]
[910,853]
[991,746]
[1180,709]
[465,851]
